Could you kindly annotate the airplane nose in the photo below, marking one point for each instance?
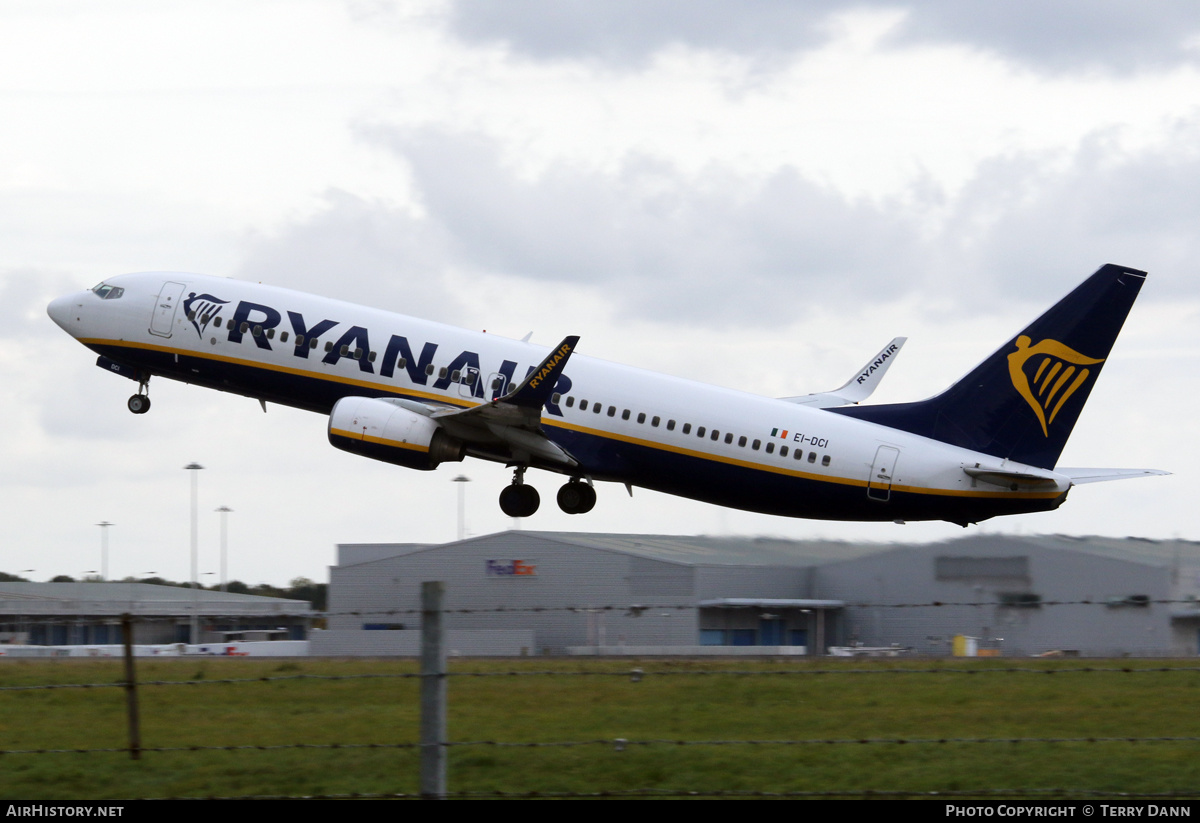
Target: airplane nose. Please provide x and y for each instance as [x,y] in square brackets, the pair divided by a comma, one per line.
[60,311]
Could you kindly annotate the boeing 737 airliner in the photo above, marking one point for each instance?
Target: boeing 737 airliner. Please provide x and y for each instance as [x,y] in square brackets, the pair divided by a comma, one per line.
[417,394]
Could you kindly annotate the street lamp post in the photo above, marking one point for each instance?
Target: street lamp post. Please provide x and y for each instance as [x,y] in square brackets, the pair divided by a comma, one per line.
[194,631]
[104,549]
[462,480]
[224,510]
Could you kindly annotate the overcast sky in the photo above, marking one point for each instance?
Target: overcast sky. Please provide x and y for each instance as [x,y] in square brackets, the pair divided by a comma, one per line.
[761,193]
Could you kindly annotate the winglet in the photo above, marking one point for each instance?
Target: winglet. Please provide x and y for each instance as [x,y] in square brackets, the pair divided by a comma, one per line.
[536,388]
[860,386]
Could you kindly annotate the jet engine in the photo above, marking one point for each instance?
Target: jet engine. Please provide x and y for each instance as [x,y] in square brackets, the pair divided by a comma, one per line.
[383,430]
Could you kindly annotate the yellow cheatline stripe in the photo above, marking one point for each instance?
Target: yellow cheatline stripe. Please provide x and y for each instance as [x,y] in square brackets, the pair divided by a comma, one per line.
[845,481]
[333,378]
[349,435]
[241,361]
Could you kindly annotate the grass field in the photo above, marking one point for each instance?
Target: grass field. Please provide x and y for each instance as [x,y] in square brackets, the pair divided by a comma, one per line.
[675,701]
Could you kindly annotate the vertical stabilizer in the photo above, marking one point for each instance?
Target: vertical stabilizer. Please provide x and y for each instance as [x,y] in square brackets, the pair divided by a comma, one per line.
[1021,403]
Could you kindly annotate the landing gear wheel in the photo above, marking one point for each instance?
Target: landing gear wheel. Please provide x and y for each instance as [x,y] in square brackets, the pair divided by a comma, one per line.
[576,497]
[519,500]
[139,404]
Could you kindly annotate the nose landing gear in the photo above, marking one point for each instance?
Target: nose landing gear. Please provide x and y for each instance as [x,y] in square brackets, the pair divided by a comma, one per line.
[140,402]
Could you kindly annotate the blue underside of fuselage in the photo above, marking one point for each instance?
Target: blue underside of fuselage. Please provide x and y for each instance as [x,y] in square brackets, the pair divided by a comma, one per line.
[612,459]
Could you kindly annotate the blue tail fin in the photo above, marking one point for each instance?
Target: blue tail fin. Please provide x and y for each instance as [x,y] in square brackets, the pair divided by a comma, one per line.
[1022,402]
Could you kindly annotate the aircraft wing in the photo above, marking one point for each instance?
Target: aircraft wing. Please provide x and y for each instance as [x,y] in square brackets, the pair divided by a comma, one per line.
[860,386]
[1081,476]
[513,422]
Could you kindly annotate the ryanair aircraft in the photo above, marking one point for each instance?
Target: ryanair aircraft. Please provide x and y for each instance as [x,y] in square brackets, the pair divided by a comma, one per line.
[418,394]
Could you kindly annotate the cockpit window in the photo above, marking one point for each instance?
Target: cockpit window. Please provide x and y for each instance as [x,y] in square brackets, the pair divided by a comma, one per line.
[107,292]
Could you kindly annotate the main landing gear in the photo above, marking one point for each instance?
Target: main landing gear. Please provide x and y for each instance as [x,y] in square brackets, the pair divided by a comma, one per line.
[576,497]
[519,500]
[140,402]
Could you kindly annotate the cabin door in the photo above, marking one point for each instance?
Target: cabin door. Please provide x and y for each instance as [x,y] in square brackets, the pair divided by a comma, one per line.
[164,309]
[879,484]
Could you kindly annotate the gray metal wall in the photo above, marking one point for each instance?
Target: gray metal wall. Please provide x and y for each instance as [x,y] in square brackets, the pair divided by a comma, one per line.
[987,570]
[569,584]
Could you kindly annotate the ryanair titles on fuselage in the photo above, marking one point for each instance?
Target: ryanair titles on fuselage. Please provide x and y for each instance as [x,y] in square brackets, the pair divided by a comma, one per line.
[256,319]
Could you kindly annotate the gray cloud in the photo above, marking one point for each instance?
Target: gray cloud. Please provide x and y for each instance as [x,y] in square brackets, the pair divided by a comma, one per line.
[1072,35]
[716,247]
[629,32]
[719,249]
[374,253]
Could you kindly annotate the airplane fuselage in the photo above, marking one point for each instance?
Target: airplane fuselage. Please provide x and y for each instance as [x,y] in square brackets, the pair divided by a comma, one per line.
[618,423]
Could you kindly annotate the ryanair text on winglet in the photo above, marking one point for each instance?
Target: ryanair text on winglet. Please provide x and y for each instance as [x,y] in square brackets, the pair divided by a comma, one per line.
[551,364]
[877,362]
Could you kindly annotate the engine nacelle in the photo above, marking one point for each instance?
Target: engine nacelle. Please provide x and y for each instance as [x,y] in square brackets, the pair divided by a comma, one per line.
[385,431]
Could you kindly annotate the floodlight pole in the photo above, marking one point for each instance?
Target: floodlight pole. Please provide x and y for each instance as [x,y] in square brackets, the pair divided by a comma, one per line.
[224,510]
[194,629]
[462,480]
[104,549]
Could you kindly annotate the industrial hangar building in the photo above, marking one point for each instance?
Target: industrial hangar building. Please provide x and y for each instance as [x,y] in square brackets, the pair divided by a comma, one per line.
[566,593]
[80,614]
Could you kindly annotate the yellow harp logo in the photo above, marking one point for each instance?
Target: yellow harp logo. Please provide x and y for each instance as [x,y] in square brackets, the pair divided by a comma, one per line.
[1058,372]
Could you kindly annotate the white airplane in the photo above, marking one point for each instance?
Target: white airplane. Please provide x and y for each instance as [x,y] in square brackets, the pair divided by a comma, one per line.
[418,394]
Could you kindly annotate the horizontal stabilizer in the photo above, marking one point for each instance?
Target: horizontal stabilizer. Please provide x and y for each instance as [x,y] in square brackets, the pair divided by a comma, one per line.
[1011,479]
[857,388]
[1081,476]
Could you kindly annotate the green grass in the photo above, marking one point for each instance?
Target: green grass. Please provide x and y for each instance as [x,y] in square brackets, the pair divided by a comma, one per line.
[664,706]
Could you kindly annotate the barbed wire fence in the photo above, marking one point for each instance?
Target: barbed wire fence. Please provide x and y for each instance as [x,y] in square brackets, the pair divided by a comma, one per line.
[433,745]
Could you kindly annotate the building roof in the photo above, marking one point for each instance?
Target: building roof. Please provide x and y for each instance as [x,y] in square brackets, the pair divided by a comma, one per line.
[136,598]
